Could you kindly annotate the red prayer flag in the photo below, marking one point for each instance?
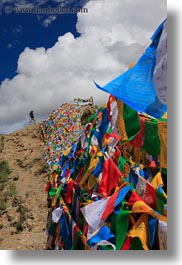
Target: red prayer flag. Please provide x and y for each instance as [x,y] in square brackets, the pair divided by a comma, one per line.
[127,243]
[110,176]
[79,175]
[69,191]
[150,196]
[48,186]
[138,140]
[110,205]
[134,198]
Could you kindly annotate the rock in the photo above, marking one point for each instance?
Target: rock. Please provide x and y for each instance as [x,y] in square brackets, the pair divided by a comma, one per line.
[15,178]
[16,201]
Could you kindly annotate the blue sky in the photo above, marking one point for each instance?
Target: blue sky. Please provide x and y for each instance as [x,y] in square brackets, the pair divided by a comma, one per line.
[29,30]
[50,59]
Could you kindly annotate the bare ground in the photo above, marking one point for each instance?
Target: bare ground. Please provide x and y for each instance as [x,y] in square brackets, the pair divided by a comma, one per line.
[22,223]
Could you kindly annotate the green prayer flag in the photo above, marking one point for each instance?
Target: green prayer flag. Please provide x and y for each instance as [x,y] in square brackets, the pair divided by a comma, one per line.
[58,192]
[121,163]
[151,142]
[119,225]
[132,123]
[136,244]
[52,191]
[160,202]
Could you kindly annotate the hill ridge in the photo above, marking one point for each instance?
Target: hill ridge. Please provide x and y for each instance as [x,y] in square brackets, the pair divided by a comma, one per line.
[23,209]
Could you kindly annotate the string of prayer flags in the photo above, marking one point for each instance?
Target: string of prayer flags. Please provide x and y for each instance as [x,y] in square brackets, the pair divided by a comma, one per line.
[107,179]
[100,197]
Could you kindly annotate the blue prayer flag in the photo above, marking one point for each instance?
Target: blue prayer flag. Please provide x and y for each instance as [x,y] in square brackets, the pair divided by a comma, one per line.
[144,86]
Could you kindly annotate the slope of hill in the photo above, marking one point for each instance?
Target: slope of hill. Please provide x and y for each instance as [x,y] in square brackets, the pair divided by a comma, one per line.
[23,200]
[23,209]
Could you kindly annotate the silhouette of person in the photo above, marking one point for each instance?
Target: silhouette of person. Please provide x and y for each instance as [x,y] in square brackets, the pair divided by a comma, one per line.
[32,118]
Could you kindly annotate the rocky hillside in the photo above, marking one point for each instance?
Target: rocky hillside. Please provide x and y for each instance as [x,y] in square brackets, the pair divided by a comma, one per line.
[23,200]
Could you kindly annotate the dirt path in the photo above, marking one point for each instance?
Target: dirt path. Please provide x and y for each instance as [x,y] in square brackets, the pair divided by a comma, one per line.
[23,222]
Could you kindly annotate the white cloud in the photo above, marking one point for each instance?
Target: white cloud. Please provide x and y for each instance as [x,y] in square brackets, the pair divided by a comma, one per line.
[10,45]
[24,3]
[30,3]
[48,21]
[113,35]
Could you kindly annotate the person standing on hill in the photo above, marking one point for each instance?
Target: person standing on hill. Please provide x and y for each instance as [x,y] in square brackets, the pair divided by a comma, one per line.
[91,101]
[32,118]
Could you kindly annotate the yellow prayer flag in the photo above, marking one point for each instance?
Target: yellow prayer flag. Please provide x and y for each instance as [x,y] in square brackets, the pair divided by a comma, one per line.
[140,229]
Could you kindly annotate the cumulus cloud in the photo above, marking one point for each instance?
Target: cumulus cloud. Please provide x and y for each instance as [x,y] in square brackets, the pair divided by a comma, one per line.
[113,35]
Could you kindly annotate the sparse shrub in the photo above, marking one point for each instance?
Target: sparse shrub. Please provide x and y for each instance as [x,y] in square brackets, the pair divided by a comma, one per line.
[4,171]
[21,209]
[36,159]
[34,135]
[16,201]
[19,162]
[3,177]
[23,216]
[16,177]
[11,191]
[2,186]
[3,204]
[19,227]
[1,143]
[23,212]
[11,219]
[43,169]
